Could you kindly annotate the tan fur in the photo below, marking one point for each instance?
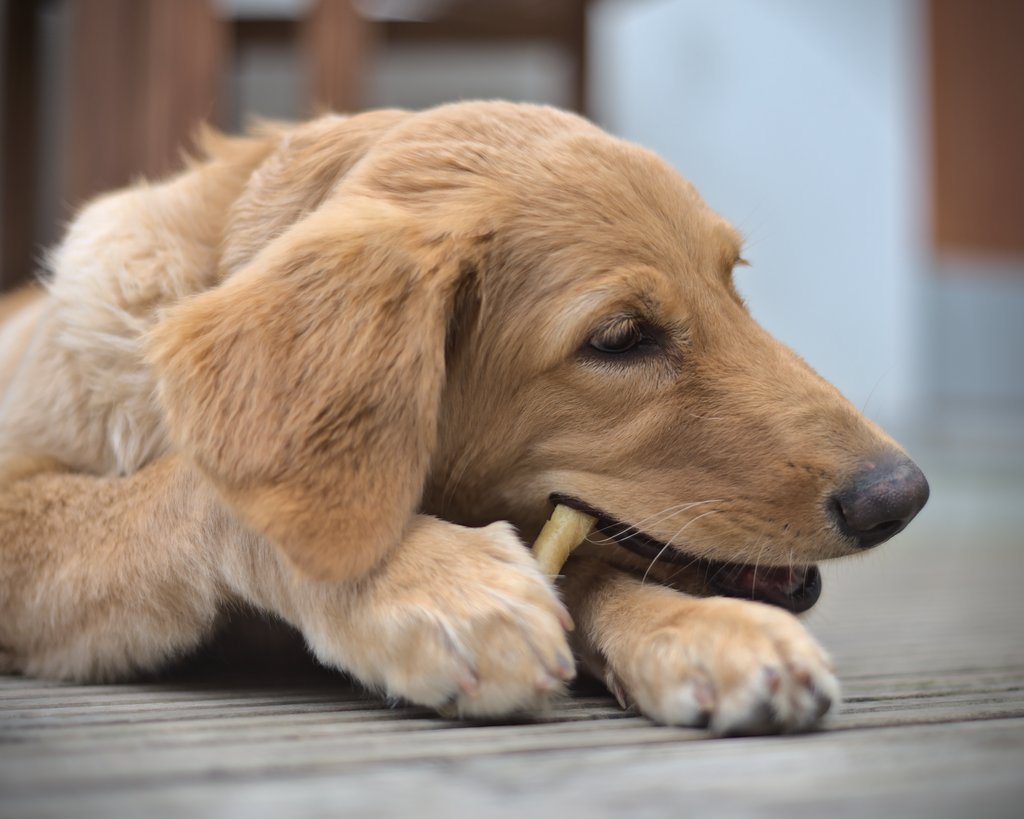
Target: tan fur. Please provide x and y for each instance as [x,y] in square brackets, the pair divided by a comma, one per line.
[300,372]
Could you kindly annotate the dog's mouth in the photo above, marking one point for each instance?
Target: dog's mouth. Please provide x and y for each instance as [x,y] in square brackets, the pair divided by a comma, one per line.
[794,588]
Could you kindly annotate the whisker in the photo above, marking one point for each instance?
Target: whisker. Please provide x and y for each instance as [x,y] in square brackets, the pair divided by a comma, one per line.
[668,543]
[757,561]
[682,568]
[721,568]
[628,530]
[638,525]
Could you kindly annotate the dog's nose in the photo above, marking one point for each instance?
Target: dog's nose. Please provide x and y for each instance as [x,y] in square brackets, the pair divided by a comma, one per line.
[880,500]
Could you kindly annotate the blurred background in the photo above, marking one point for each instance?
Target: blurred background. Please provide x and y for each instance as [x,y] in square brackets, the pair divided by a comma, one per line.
[872,152]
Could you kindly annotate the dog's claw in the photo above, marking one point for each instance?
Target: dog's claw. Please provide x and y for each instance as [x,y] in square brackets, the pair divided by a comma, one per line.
[566,667]
[545,682]
[619,693]
[468,682]
[704,695]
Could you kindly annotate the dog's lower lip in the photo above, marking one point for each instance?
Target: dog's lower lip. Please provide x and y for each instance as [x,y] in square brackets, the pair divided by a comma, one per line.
[794,588]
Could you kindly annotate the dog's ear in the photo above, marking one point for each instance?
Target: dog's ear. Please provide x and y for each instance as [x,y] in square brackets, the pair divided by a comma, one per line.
[307,386]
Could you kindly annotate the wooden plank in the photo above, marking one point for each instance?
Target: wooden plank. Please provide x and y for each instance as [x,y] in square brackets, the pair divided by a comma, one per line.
[208,739]
[923,771]
[977,108]
[80,703]
[135,101]
[339,42]
[185,749]
[18,141]
[183,67]
[105,87]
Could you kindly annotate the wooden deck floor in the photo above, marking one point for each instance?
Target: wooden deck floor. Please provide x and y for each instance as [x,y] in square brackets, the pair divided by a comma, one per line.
[928,635]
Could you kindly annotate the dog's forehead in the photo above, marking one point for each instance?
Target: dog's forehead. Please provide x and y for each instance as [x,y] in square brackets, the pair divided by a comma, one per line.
[628,203]
[609,228]
[551,179]
[671,257]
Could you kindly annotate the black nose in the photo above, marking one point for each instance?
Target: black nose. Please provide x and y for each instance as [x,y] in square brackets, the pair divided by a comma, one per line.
[880,500]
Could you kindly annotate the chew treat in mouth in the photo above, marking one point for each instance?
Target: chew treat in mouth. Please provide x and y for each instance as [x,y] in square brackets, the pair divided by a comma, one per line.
[564,531]
[795,588]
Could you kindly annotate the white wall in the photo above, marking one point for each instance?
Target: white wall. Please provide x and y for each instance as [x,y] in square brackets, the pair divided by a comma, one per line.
[798,120]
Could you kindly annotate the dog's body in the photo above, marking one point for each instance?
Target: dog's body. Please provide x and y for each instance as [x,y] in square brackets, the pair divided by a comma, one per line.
[319,369]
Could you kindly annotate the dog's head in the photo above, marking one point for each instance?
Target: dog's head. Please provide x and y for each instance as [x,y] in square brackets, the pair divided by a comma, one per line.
[499,305]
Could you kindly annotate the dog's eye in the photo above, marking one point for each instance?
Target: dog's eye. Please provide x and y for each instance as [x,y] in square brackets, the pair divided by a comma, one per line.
[621,337]
[621,340]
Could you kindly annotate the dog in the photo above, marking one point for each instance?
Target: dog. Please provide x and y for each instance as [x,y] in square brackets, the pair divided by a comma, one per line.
[339,371]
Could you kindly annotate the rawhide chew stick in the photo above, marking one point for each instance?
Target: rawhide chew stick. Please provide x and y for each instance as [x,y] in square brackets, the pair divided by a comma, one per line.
[564,531]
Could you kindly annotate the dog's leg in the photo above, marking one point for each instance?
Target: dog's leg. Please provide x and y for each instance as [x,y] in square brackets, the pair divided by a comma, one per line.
[738,667]
[100,577]
[458,619]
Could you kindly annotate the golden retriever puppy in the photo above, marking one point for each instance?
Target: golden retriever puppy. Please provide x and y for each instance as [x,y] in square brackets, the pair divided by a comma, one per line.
[339,371]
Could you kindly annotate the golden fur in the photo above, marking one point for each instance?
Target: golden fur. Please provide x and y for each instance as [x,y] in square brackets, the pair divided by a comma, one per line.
[317,369]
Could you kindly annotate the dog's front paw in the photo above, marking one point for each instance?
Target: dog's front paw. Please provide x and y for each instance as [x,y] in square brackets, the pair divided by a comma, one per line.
[459,619]
[734,666]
